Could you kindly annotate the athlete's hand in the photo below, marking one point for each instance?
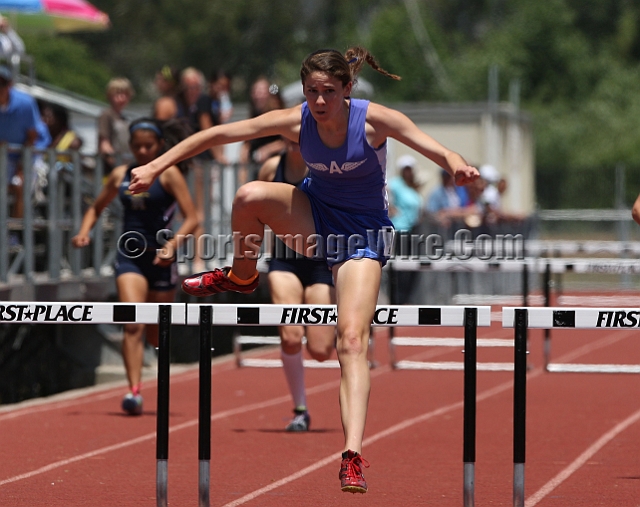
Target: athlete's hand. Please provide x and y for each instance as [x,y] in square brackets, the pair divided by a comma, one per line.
[465,174]
[165,256]
[141,179]
[80,240]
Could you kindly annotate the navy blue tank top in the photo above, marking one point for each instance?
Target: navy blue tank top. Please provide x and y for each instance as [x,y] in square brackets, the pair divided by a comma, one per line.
[280,250]
[148,212]
[351,177]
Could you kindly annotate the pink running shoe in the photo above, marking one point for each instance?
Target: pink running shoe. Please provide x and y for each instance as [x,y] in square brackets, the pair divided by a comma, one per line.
[351,477]
[214,282]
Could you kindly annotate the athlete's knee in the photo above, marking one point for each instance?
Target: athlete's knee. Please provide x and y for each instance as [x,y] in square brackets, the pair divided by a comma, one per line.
[320,355]
[321,350]
[248,194]
[352,341]
[133,331]
[291,340]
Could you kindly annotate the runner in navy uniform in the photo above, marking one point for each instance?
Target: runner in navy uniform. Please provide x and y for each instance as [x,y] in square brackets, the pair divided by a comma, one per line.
[341,210]
[296,279]
[144,272]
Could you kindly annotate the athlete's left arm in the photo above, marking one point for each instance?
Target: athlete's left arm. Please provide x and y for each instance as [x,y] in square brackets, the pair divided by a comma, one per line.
[174,183]
[386,122]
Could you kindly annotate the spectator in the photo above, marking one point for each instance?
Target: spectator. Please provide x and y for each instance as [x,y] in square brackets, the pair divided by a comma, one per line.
[113,127]
[167,82]
[20,124]
[10,42]
[220,93]
[474,213]
[195,106]
[56,118]
[264,97]
[404,201]
[490,195]
[60,137]
[491,198]
[447,202]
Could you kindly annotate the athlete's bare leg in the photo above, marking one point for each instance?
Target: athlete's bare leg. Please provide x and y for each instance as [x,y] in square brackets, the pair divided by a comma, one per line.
[284,208]
[357,285]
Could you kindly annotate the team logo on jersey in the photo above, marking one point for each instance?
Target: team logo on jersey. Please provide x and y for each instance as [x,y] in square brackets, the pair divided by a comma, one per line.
[335,168]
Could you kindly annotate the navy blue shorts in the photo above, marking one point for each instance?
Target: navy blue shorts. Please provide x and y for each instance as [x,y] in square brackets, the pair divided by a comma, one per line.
[348,234]
[160,278]
[308,271]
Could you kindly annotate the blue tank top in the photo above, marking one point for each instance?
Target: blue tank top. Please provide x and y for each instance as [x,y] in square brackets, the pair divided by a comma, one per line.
[148,212]
[351,177]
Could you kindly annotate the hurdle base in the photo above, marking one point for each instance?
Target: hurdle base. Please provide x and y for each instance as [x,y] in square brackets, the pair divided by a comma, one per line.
[518,485]
[469,484]
[450,366]
[592,368]
[161,483]
[203,483]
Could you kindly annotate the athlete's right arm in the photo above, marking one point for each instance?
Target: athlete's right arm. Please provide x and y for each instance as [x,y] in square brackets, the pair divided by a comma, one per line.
[285,122]
[107,194]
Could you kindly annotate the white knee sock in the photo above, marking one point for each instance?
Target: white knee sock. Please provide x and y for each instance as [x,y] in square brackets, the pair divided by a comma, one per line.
[294,372]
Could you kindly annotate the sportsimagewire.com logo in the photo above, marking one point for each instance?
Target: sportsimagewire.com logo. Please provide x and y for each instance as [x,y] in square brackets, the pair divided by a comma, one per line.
[422,247]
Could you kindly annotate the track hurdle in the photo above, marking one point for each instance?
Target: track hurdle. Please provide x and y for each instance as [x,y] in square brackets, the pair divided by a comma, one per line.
[522,266]
[523,319]
[14,312]
[207,316]
[613,304]
[249,362]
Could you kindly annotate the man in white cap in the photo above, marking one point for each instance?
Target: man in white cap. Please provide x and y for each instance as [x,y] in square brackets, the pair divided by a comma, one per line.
[490,196]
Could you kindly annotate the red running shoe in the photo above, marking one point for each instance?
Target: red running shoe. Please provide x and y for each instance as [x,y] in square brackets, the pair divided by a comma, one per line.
[214,282]
[351,477]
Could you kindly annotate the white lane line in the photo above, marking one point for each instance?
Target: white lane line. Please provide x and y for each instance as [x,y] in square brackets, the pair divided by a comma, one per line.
[606,340]
[581,460]
[187,424]
[368,441]
[283,399]
[148,436]
[101,392]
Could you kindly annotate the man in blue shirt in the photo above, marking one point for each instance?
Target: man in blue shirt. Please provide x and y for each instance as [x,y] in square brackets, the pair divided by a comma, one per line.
[405,200]
[20,124]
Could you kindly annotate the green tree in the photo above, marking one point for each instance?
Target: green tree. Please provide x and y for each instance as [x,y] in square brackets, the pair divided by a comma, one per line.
[69,64]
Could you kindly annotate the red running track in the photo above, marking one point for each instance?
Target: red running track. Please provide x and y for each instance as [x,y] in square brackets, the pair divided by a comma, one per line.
[583,434]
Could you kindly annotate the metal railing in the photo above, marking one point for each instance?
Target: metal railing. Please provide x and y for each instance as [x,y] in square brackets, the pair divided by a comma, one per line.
[58,187]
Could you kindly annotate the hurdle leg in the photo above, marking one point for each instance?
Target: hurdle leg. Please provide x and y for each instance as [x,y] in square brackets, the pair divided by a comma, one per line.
[547,302]
[519,405]
[204,407]
[469,433]
[162,417]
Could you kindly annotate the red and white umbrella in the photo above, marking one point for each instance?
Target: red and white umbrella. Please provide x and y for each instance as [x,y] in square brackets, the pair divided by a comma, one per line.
[54,15]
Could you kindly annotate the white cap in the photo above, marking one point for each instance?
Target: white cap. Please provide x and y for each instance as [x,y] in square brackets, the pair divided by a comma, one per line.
[489,173]
[405,161]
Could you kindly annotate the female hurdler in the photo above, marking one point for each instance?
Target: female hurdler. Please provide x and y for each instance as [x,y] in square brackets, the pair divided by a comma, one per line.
[340,210]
